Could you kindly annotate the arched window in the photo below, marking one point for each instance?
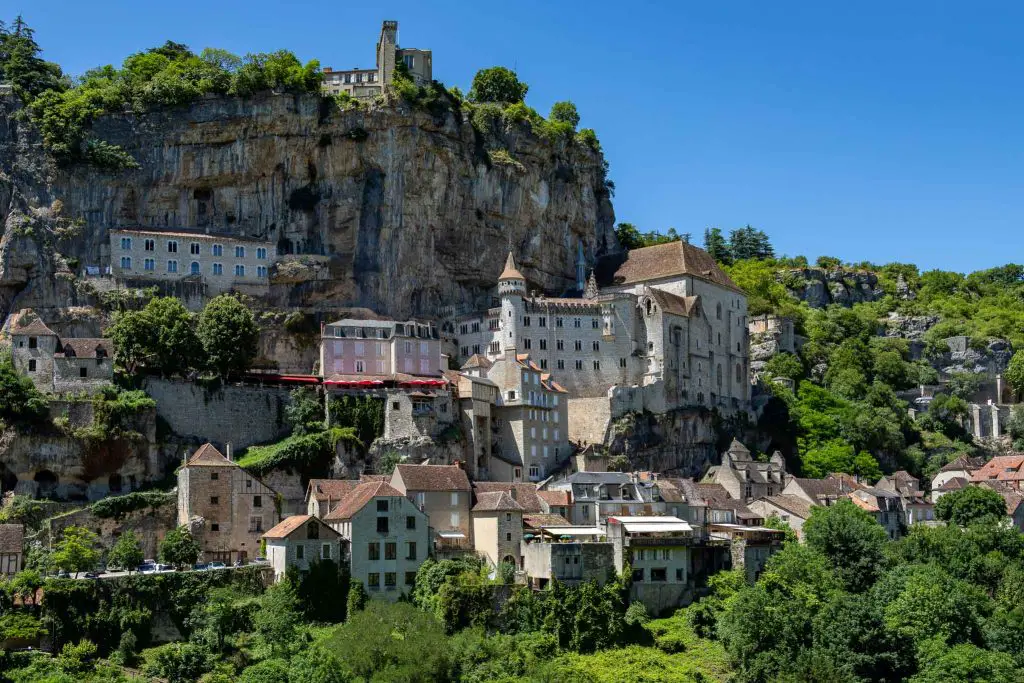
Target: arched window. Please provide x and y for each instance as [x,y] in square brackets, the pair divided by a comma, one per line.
[194,268]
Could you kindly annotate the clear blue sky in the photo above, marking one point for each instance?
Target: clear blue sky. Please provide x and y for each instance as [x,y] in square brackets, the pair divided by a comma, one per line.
[870,131]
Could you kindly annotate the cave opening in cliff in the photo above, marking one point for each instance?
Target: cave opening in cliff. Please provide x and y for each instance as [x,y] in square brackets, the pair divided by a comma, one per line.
[46,484]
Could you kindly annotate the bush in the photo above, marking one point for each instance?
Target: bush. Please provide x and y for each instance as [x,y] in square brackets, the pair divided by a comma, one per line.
[565,112]
[309,454]
[118,507]
[497,84]
[177,662]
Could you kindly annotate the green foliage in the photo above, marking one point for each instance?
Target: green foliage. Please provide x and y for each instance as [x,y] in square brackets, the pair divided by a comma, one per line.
[19,626]
[228,333]
[267,671]
[1015,426]
[750,244]
[966,662]
[497,84]
[925,602]
[717,246]
[309,454]
[177,662]
[324,577]
[565,112]
[631,238]
[785,365]
[76,550]
[21,65]
[20,402]
[971,505]
[357,597]
[20,509]
[126,553]
[117,507]
[179,548]
[278,617]
[1014,374]
[304,412]
[773,521]
[363,414]
[852,541]
[162,335]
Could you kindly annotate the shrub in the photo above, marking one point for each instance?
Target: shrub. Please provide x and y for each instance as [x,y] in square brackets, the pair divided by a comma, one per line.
[497,84]
[565,112]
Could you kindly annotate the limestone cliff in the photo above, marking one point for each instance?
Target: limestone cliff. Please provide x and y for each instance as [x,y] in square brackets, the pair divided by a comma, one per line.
[392,208]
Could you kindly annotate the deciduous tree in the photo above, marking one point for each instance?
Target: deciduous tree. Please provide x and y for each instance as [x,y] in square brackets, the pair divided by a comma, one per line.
[497,84]
[229,334]
[970,505]
[179,548]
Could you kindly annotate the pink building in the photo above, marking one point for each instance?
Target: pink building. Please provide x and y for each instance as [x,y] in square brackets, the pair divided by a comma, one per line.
[380,348]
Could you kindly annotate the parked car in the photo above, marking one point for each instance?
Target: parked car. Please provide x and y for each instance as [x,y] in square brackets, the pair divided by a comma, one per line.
[200,566]
[146,568]
[161,567]
[63,575]
[92,575]
[216,565]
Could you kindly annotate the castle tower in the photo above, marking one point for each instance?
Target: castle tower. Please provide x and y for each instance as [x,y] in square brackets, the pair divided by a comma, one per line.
[387,44]
[511,289]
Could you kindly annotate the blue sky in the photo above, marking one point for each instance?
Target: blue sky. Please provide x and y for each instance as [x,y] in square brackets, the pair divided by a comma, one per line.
[870,131]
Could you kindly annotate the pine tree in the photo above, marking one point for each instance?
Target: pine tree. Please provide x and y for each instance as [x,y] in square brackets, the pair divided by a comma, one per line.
[716,245]
[21,65]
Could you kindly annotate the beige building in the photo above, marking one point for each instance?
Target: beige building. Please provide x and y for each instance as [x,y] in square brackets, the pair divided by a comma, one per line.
[657,549]
[443,493]
[746,479]
[301,540]
[477,410]
[368,83]
[56,365]
[793,510]
[12,548]
[388,536]
[210,262]
[227,509]
[379,348]
[668,331]
[323,494]
[498,528]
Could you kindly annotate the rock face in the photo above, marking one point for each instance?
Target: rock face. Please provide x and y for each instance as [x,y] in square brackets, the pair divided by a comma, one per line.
[404,212]
[681,442]
[962,357]
[820,287]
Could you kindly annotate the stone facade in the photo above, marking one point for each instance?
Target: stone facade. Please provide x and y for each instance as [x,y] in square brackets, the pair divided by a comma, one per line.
[746,479]
[228,509]
[379,348]
[657,549]
[498,528]
[59,365]
[299,541]
[368,83]
[477,409]
[443,493]
[241,415]
[572,562]
[149,525]
[417,413]
[212,263]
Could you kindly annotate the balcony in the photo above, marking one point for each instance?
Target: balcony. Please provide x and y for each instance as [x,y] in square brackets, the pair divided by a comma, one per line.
[659,541]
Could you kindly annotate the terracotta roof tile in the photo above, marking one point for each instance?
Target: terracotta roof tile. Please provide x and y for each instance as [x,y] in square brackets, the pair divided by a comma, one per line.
[526,493]
[12,538]
[287,525]
[359,497]
[962,463]
[330,489]
[208,456]
[496,501]
[671,259]
[538,520]
[1002,467]
[477,361]
[555,498]
[954,484]
[85,347]
[433,477]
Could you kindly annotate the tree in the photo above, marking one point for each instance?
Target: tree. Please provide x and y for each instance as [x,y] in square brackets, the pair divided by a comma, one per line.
[748,243]
[921,602]
[20,401]
[279,615]
[970,505]
[134,338]
[26,585]
[179,548]
[716,245]
[304,412]
[126,553]
[1015,426]
[357,597]
[76,550]
[565,112]
[941,664]
[786,365]
[497,84]
[852,541]
[162,335]
[229,334]
[1014,374]
[21,65]
[267,671]
[775,522]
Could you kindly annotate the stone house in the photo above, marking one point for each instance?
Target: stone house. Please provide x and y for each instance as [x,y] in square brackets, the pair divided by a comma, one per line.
[791,509]
[884,506]
[198,263]
[57,365]
[417,412]
[369,83]
[299,541]
[669,322]
[388,537]
[323,494]
[962,468]
[750,548]
[498,528]
[657,549]
[227,508]
[12,548]
[596,496]
[747,479]
[916,507]
[443,493]
[477,412]
[571,562]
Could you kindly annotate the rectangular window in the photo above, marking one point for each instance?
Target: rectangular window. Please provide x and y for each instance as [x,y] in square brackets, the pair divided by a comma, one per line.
[410,578]
[543,322]
[666,553]
[325,551]
[215,527]
[382,505]
[579,365]
[455,498]
[193,248]
[32,365]
[578,345]
[172,247]
[454,519]
[261,253]
[679,574]
[597,346]
[149,264]
[534,471]
[560,364]
[527,344]
[374,551]
[597,365]
[150,245]
[543,344]
[359,367]
[543,363]
[594,323]
[214,500]
[83,372]
[410,522]
[638,575]
[218,250]
[239,251]
[239,270]
[261,271]
[526,321]
[300,552]
[172,266]
[382,525]
[126,262]
[373,580]
[257,501]
[622,362]
[255,524]
[576,322]
[126,243]
[389,579]
[390,551]
[218,268]
[410,550]
[214,476]
[659,574]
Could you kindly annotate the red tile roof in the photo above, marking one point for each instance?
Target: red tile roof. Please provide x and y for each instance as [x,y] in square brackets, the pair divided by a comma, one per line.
[538,520]
[433,477]
[359,497]
[1002,468]
[671,259]
[496,501]
[208,456]
[554,498]
[12,538]
[288,525]
[330,489]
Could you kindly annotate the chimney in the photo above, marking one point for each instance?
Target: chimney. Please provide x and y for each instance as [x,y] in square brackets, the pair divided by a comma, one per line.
[227,449]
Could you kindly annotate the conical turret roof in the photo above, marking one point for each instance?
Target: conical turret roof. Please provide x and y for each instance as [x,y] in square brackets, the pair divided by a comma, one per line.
[510,272]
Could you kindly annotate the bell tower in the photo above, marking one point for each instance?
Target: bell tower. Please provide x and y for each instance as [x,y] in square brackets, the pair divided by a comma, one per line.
[511,289]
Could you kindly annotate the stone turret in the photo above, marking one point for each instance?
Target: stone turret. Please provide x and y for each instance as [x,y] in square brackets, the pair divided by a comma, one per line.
[512,289]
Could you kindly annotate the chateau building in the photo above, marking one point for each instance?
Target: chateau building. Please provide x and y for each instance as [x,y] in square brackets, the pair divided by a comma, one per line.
[216,262]
[227,509]
[368,83]
[746,479]
[58,365]
[376,347]
[669,331]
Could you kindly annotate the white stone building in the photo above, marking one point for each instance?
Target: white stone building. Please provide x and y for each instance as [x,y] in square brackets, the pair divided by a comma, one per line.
[368,83]
[299,541]
[214,263]
[669,331]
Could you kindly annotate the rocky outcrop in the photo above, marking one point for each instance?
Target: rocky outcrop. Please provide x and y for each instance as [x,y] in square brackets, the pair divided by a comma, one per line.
[681,442]
[820,287]
[390,208]
[989,360]
[910,327]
